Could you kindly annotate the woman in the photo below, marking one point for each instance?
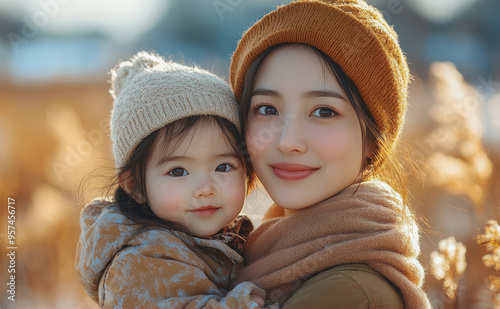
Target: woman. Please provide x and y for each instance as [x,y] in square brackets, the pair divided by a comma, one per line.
[322,88]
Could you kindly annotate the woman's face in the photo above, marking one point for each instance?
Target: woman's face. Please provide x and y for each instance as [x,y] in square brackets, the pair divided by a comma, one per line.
[303,136]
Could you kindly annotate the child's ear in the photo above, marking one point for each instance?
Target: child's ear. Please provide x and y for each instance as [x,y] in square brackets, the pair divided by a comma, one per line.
[127,183]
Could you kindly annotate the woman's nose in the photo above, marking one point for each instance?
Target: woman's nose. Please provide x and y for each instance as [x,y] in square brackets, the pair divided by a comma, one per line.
[291,140]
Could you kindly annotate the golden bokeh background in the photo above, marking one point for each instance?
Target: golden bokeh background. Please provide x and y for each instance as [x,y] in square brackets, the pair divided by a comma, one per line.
[54,123]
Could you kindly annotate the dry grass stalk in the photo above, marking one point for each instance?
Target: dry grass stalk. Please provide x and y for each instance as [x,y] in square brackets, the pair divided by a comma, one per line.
[448,264]
[491,240]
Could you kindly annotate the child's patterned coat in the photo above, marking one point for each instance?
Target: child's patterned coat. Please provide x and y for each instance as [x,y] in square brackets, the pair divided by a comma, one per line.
[125,266]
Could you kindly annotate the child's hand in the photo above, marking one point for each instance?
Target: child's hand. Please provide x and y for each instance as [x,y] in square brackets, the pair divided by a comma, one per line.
[259,300]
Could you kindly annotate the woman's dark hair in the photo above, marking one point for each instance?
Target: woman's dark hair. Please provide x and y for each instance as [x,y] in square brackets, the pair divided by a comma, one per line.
[168,137]
[390,170]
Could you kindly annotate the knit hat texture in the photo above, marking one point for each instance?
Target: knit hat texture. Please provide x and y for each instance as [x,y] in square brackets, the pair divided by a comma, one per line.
[150,93]
[355,36]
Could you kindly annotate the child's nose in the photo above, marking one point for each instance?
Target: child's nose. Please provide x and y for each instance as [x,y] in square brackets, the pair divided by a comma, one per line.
[205,189]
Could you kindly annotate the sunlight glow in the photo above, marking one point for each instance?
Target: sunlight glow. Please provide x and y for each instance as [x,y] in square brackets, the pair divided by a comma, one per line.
[123,20]
[441,11]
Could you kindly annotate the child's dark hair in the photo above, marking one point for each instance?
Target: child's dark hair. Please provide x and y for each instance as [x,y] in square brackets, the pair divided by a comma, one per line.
[167,137]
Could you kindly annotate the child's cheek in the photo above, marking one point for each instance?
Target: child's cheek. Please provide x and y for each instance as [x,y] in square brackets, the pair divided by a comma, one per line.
[237,192]
[168,200]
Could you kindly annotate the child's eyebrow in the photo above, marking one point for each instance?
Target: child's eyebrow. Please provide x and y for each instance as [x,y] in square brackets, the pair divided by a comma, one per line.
[224,155]
[166,159]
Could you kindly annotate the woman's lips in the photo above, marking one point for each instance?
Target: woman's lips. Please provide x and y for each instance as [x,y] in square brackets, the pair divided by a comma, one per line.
[205,210]
[289,171]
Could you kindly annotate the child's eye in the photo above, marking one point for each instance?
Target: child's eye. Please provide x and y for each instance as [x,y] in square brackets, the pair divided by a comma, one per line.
[226,167]
[178,172]
[324,112]
[266,110]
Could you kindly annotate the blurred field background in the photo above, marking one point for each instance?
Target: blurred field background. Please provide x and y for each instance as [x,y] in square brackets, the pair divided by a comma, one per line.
[55,107]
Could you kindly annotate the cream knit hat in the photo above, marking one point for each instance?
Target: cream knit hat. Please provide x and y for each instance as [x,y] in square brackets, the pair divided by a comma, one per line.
[150,93]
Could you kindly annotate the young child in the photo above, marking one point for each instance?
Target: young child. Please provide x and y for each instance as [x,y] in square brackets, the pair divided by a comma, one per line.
[169,238]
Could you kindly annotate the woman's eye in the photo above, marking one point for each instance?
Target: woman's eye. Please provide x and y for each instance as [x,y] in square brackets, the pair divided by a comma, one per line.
[224,168]
[266,110]
[178,172]
[324,112]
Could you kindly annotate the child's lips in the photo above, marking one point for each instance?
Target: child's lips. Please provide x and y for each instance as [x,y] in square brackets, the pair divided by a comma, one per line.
[205,210]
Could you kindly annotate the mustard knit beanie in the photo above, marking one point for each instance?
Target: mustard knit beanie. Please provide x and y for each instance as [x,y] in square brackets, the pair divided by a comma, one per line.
[150,93]
[355,36]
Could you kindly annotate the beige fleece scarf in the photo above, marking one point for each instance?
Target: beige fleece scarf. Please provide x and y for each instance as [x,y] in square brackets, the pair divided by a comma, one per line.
[362,224]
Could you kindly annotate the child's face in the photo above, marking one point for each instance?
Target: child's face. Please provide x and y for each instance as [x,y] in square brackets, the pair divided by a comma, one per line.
[303,135]
[201,184]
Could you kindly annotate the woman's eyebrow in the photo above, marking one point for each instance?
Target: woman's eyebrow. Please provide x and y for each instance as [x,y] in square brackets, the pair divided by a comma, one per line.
[308,94]
[324,93]
[268,92]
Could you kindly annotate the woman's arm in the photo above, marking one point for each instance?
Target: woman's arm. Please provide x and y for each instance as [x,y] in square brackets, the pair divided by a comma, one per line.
[353,286]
